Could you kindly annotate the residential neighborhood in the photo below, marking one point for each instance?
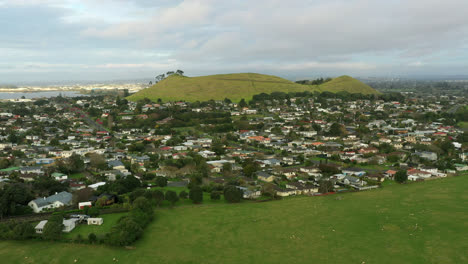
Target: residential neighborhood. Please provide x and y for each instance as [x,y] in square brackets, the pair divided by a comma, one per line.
[97,152]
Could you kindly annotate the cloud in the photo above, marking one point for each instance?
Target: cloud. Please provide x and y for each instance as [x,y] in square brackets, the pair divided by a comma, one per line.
[208,36]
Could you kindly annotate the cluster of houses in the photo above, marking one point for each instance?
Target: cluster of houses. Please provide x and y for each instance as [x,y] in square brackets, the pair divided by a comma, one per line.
[287,139]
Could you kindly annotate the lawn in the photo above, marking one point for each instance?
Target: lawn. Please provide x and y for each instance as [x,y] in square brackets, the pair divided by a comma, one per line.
[84,230]
[415,223]
[76,176]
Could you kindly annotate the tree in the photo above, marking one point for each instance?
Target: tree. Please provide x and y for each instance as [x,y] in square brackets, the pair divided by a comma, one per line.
[183,195]
[98,162]
[13,198]
[124,233]
[215,195]
[141,203]
[401,176]
[250,168]
[92,238]
[242,103]
[232,194]
[161,181]
[218,148]
[337,130]
[196,194]
[75,163]
[23,230]
[93,211]
[325,186]
[172,197]
[53,228]
[158,196]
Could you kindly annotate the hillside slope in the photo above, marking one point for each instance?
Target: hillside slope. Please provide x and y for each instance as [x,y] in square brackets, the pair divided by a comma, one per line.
[238,86]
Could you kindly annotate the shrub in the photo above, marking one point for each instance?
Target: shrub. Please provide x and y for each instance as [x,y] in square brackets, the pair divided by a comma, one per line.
[172,197]
[232,194]
[196,194]
[183,195]
[93,211]
[215,195]
[92,238]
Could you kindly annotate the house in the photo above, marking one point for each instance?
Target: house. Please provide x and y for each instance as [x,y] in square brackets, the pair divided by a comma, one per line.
[68,225]
[353,172]
[249,194]
[353,181]
[59,176]
[264,176]
[284,192]
[427,155]
[84,204]
[55,201]
[95,186]
[461,167]
[95,221]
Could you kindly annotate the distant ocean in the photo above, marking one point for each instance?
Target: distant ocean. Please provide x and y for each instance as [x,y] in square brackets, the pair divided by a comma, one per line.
[48,94]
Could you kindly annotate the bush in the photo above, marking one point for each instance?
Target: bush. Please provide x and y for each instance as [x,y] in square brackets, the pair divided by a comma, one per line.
[232,194]
[215,195]
[183,195]
[23,230]
[157,196]
[92,238]
[124,233]
[93,211]
[161,181]
[172,197]
[196,194]
[401,176]
[53,228]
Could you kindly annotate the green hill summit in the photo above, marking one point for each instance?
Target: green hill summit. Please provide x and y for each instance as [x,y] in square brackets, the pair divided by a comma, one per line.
[237,86]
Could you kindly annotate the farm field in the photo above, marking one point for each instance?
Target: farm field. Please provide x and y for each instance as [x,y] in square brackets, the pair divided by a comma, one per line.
[415,223]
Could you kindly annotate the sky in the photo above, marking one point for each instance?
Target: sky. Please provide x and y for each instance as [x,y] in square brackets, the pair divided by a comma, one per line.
[53,40]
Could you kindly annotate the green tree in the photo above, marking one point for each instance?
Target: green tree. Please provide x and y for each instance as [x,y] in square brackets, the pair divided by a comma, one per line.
[232,194]
[143,204]
[93,211]
[196,194]
[172,197]
[183,195]
[157,196]
[53,228]
[92,238]
[401,176]
[215,195]
[161,181]
[337,130]
[23,230]
[242,103]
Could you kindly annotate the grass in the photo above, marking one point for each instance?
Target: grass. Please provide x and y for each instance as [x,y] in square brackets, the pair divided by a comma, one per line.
[84,230]
[238,86]
[463,125]
[76,176]
[414,223]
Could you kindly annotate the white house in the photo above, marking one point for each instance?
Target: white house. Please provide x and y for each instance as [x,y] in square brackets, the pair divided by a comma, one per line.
[55,201]
[95,221]
[68,225]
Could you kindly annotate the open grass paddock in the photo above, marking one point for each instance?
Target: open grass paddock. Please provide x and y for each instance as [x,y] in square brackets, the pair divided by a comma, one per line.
[423,222]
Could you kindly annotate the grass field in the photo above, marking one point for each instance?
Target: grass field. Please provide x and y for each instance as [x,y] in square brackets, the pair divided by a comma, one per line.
[84,230]
[414,223]
[238,86]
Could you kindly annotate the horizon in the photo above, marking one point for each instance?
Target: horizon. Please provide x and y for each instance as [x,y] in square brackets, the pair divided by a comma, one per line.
[82,40]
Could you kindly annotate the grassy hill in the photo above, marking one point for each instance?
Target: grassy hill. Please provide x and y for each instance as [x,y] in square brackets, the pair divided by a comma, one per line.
[415,223]
[238,86]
